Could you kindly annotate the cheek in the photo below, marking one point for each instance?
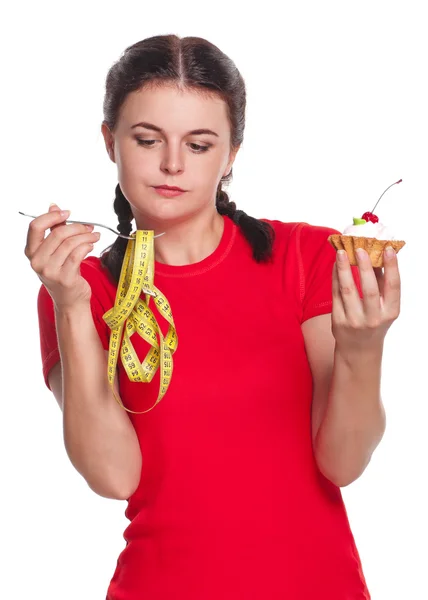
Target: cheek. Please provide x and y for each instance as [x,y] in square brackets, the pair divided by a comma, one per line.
[134,164]
[206,171]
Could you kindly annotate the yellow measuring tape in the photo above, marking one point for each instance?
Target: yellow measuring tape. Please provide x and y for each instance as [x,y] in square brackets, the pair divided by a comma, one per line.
[131,314]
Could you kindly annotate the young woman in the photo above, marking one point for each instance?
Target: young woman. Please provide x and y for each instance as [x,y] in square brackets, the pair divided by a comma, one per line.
[233,479]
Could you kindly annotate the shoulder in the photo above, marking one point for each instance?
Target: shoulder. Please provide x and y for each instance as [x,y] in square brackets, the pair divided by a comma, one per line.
[99,278]
[281,229]
[313,240]
[304,236]
[284,228]
[92,267]
[97,274]
[313,233]
[283,234]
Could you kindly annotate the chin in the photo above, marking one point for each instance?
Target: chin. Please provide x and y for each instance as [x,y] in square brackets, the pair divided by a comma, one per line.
[167,214]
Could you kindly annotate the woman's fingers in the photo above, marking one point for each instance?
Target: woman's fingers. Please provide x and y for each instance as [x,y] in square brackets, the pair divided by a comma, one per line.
[56,258]
[38,227]
[61,243]
[52,208]
[71,265]
[67,252]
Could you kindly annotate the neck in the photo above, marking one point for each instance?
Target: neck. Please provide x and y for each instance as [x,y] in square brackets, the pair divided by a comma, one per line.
[186,242]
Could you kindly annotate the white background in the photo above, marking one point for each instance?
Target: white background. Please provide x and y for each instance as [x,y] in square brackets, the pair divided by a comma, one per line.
[337,111]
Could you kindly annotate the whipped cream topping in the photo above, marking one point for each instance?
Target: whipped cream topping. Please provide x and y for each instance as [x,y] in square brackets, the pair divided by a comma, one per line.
[370,230]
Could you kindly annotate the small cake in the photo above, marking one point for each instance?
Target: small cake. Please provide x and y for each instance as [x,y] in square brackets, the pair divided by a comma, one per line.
[367,233]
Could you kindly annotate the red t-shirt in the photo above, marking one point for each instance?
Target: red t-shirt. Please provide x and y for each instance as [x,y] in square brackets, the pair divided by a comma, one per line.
[230,503]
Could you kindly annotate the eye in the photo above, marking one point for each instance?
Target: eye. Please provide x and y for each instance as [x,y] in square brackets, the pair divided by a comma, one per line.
[195,148]
[147,143]
[199,149]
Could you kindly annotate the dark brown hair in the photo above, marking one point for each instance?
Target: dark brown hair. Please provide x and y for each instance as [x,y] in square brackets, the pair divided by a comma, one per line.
[192,63]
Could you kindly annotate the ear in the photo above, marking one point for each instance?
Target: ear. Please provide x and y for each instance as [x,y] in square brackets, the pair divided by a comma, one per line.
[231,160]
[108,140]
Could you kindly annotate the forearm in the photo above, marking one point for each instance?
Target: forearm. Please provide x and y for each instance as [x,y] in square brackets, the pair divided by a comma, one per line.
[99,437]
[354,420]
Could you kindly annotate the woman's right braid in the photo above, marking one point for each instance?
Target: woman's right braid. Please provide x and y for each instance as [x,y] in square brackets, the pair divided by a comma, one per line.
[113,256]
[124,213]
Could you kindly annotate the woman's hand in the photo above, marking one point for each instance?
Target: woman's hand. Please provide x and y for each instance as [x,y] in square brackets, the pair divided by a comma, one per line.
[360,325]
[56,259]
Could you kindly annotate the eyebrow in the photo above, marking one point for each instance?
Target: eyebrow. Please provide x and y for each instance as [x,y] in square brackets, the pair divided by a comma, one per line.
[158,129]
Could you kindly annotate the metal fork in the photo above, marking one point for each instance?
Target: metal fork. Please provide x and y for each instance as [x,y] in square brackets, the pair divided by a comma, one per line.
[126,237]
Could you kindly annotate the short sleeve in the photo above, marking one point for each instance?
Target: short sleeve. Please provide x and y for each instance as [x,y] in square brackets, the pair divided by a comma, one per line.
[316,258]
[47,326]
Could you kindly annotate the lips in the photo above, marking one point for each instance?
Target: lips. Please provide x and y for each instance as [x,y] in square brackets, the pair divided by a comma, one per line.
[169,187]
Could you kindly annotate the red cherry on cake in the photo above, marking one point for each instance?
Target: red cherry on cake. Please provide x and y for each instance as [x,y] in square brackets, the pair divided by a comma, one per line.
[370,217]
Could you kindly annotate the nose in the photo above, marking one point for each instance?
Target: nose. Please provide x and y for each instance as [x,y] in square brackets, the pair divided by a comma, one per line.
[172,161]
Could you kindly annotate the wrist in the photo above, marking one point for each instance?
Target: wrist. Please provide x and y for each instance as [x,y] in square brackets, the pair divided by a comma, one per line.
[72,310]
[356,358]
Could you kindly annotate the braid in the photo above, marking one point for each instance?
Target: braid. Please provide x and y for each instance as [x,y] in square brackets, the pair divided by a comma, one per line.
[259,234]
[223,204]
[124,213]
[113,256]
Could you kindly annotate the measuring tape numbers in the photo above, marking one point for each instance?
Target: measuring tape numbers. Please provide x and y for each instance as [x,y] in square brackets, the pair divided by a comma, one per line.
[131,314]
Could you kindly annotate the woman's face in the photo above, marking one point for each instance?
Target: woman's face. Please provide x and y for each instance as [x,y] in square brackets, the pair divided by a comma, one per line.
[171,154]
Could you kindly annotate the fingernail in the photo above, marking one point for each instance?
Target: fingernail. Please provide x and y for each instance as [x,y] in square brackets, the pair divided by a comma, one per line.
[65,213]
[341,255]
[52,204]
[361,253]
[390,252]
